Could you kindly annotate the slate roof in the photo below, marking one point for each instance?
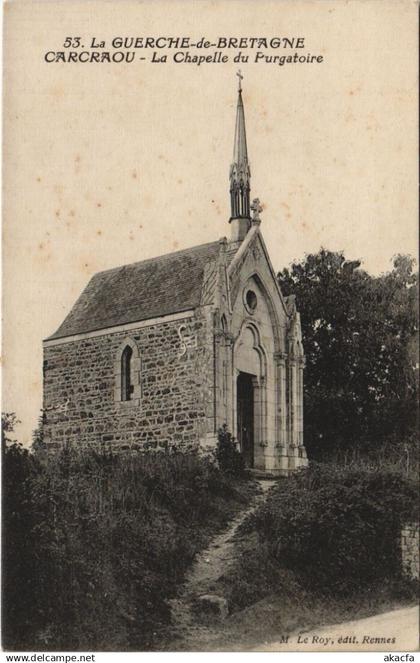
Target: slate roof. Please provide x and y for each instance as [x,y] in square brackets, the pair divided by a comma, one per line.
[159,286]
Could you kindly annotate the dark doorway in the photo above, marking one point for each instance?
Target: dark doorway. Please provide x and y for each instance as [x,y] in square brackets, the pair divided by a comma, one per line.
[245,402]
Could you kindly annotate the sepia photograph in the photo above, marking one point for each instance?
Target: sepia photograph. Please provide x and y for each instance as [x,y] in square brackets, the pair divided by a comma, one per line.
[210,326]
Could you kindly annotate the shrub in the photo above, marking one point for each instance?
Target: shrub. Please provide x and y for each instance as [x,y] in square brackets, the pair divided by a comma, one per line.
[97,543]
[328,538]
[228,457]
[19,564]
[337,529]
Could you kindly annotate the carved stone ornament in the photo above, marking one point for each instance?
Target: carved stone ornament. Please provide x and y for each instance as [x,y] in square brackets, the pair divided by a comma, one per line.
[256,208]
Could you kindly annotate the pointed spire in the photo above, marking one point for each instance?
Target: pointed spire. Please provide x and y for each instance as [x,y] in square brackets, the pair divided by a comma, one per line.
[240,152]
[239,171]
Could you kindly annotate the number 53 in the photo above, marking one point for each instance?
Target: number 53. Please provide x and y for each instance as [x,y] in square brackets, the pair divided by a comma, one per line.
[72,42]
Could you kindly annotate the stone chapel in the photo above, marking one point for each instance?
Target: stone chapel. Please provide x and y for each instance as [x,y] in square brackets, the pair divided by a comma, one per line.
[165,351]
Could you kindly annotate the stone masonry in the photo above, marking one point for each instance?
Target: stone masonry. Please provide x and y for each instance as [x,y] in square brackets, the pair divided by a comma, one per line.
[410,550]
[80,382]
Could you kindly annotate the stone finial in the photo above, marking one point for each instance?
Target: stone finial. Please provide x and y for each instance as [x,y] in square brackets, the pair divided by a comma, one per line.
[256,208]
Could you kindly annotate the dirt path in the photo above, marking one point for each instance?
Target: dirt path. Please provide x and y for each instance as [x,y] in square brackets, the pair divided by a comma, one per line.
[397,630]
[209,565]
[195,630]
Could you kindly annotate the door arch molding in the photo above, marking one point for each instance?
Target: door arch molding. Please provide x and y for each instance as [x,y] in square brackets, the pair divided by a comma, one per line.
[250,359]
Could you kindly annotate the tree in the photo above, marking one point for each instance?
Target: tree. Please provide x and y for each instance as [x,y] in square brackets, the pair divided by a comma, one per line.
[359,337]
[38,446]
[9,421]
[18,542]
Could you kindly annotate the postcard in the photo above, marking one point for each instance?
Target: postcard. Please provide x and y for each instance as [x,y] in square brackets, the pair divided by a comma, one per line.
[210,364]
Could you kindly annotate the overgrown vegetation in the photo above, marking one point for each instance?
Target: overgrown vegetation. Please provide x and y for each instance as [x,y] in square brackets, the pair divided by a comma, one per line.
[325,532]
[360,335]
[95,543]
[227,455]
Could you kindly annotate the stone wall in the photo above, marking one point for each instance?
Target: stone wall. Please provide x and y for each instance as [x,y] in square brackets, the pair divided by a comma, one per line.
[176,382]
[410,550]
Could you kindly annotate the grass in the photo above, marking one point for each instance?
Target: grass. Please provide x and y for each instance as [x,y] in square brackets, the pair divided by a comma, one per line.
[97,543]
[309,555]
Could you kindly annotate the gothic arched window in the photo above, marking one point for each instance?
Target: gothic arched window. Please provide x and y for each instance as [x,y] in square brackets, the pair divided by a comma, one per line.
[127,387]
[127,368]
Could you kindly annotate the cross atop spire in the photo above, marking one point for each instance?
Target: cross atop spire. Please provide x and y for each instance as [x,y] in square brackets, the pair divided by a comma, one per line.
[239,171]
[239,75]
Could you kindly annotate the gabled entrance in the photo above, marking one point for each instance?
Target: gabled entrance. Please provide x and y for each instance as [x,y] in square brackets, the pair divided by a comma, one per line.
[245,417]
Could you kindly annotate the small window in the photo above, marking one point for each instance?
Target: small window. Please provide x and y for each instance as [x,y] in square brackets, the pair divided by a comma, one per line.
[127,387]
[251,301]
[127,369]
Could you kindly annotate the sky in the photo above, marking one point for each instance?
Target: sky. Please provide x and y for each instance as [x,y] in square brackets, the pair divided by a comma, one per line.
[107,164]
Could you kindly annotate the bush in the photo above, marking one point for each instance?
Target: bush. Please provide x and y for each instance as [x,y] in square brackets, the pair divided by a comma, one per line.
[323,548]
[19,564]
[338,529]
[228,457]
[97,543]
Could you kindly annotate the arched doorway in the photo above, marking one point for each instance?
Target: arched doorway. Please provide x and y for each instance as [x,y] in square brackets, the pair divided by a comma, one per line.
[246,416]
[250,395]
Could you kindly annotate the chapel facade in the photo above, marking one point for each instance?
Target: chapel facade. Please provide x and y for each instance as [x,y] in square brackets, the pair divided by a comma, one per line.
[165,351]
